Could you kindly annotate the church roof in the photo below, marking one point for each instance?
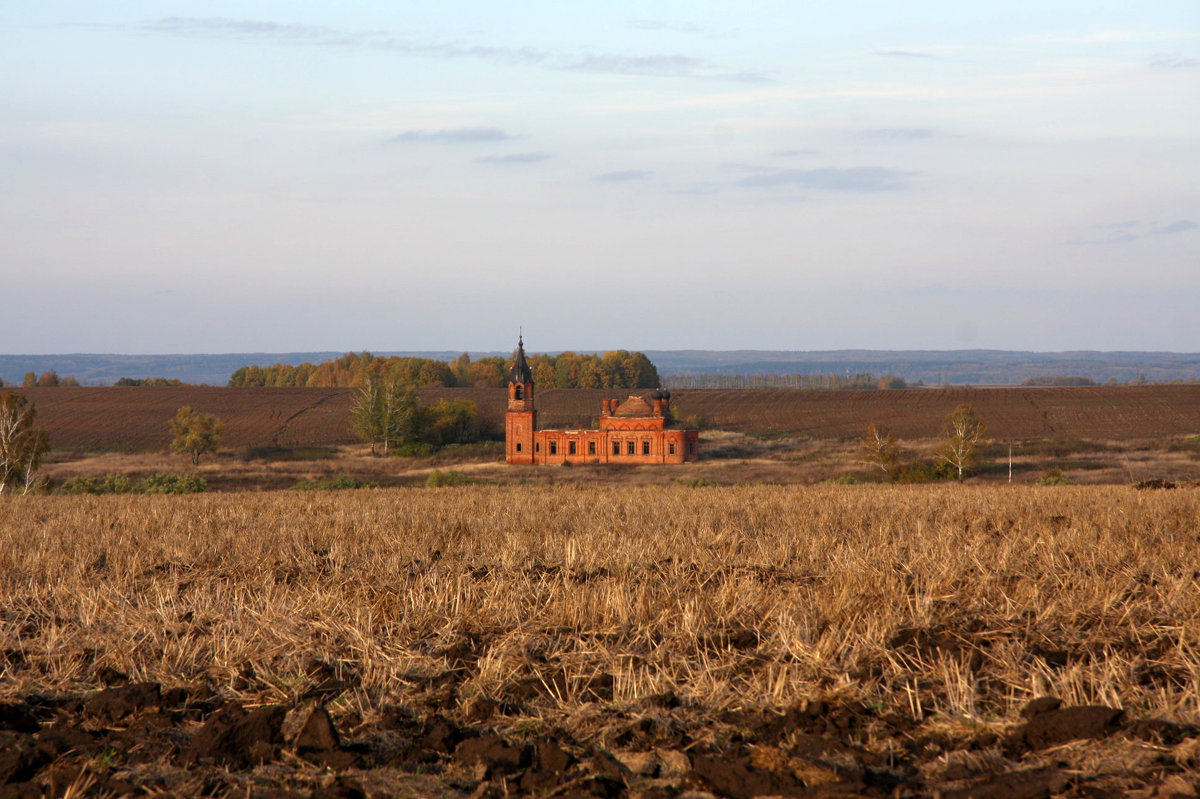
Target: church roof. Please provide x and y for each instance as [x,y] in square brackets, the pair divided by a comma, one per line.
[634,406]
[520,372]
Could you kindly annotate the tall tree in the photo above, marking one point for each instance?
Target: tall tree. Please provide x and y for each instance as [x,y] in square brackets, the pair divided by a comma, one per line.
[385,412]
[22,444]
[195,433]
[878,448]
[964,431]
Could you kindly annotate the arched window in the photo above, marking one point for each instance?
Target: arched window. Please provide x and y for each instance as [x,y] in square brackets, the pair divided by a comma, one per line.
[519,389]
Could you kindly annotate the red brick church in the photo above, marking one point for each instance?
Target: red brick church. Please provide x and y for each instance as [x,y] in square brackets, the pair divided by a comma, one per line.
[634,431]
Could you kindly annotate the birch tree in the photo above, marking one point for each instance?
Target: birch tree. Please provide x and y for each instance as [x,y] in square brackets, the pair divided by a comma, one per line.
[964,431]
[21,443]
[879,448]
[385,413]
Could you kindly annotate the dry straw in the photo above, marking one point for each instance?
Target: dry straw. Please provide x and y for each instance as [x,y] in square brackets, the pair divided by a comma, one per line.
[954,600]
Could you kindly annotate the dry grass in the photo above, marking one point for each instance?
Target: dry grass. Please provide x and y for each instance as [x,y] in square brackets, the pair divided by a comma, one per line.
[954,603]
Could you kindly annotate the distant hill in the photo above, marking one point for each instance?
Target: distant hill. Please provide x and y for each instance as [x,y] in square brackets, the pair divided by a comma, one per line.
[934,367]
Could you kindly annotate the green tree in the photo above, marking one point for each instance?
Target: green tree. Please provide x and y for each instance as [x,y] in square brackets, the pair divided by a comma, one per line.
[196,434]
[964,431]
[385,413]
[878,448]
[22,444]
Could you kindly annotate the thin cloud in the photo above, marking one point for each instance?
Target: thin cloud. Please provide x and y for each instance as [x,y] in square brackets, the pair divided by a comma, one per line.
[653,65]
[1178,226]
[1118,236]
[659,66]
[857,179]
[514,158]
[1111,37]
[664,25]
[1174,62]
[623,175]
[899,134]
[792,153]
[224,27]
[451,136]
[904,54]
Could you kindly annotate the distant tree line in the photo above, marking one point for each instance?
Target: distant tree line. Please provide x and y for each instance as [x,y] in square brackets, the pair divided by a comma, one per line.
[48,379]
[1058,381]
[153,382]
[863,380]
[617,369]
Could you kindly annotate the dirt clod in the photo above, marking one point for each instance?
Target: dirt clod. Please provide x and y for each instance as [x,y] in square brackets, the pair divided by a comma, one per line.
[1068,724]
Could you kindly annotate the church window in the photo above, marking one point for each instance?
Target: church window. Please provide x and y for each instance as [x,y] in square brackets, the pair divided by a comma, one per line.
[616,447]
[553,447]
[671,449]
[518,388]
[591,447]
[518,446]
[630,448]
[645,447]
[570,447]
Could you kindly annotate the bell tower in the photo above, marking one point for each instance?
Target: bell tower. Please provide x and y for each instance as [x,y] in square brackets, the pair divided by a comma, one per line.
[521,419]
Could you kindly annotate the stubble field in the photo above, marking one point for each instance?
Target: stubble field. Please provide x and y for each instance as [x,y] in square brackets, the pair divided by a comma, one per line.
[572,640]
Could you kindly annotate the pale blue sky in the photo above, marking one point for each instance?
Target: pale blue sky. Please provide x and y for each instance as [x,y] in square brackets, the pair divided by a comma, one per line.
[275,176]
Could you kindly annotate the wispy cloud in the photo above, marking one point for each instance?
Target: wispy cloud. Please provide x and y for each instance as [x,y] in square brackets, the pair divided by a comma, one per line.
[1174,62]
[904,54]
[664,25]
[898,134]
[1130,231]
[514,158]
[793,152]
[669,65]
[1178,226]
[452,136]
[1112,37]
[623,175]
[860,179]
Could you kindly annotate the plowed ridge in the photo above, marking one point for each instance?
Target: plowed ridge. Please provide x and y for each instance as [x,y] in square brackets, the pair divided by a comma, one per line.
[137,419]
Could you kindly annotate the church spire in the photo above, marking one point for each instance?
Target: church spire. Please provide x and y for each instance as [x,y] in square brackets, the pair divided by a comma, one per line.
[521,372]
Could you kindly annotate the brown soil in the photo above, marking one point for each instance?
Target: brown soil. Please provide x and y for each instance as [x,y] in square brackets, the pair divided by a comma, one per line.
[136,419]
[133,738]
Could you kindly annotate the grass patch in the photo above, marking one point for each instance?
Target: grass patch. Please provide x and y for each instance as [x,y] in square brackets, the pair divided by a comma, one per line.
[439,479]
[273,453]
[340,482]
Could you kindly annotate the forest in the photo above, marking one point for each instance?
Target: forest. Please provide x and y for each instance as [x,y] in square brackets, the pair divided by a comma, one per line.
[615,369]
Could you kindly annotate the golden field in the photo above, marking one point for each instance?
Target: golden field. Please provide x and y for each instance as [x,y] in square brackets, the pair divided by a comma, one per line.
[903,627]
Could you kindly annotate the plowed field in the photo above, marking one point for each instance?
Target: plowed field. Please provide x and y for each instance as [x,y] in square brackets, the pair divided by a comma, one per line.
[136,419]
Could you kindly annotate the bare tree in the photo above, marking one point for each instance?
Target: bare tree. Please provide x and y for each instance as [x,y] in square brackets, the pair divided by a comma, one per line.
[21,443]
[879,448]
[964,431]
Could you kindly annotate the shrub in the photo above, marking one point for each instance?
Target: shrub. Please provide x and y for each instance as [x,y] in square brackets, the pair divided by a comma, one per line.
[437,478]
[172,483]
[922,472]
[1054,477]
[80,485]
[109,484]
[414,449]
[341,482]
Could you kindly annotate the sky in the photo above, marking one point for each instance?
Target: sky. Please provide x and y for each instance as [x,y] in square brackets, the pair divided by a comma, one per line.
[290,176]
